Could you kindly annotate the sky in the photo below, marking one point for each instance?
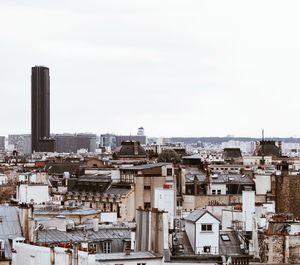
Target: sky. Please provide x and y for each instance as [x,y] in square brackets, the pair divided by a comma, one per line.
[177,68]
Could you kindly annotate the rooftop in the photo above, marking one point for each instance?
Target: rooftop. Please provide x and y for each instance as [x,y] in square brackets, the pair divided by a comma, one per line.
[145,166]
[55,236]
[197,214]
[55,210]
[10,226]
[123,256]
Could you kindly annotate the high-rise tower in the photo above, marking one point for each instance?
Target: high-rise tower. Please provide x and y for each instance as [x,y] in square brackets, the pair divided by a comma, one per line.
[40,110]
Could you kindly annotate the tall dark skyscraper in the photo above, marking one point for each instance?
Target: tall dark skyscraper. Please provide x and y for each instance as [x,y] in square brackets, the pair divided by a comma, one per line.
[40,110]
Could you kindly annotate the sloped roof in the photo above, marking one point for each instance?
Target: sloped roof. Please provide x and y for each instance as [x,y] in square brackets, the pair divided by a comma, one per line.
[230,247]
[197,214]
[267,148]
[231,153]
[117,191]
[128,148]
[145,166]
[54,235]
[10,226]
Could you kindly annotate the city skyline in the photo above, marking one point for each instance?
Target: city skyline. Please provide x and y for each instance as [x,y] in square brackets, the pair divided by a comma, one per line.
[202,69]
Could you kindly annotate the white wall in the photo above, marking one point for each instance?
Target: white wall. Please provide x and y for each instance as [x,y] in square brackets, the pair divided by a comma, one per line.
[121,258]
[165,200]
[190,232]
[255,160]
[217,187]
[30,255]
[157,261]
[3,179]
[262,184]
[204,238]
[248,209]
[35,255]
[35,192]
[108,217]
[188,202]
[295,229]
[228,216]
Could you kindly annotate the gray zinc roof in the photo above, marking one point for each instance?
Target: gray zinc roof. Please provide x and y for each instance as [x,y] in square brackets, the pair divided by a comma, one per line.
[123,256]
[55,236]
[10,226]
[145,166]
[197,214]
[117,191]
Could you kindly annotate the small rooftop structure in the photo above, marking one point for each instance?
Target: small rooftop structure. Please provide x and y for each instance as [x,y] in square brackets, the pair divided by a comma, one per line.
[232,155]
[130,150]
[268,148]
[197,214]
[122,256]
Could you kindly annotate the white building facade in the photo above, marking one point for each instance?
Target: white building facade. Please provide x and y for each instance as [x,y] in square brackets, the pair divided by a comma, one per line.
[203,230]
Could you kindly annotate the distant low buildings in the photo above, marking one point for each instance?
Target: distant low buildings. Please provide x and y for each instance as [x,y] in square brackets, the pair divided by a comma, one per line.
[20,143]
[71,143]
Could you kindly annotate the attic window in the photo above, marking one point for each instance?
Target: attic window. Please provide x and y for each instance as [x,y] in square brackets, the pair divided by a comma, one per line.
[106,247]
[206,227]
[169,172]
[225,237]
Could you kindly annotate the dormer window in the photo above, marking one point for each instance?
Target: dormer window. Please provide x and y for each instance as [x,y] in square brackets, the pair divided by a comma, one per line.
[107,247]
[206,227]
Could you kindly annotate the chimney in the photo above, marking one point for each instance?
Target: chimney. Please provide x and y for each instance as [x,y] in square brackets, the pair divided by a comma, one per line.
[52,255]
[95,225]
[127,251]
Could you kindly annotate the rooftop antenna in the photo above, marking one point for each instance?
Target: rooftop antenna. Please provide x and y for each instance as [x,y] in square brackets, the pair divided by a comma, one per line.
[263,147]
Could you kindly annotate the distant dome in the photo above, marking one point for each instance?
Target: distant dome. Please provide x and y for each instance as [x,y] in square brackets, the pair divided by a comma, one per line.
[129,150]
[169,156]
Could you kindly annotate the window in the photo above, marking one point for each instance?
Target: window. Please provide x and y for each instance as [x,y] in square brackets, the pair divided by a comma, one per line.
[213,192]
[206,249]
[92,248]
[169,172]
[127,245]
[206,227]
[107,247]
[219,192]
[225,237]
[141,263]
[147,187]
[147,205]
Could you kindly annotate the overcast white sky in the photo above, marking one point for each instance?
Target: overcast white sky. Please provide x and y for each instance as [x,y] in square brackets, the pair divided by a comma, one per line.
[178,68]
